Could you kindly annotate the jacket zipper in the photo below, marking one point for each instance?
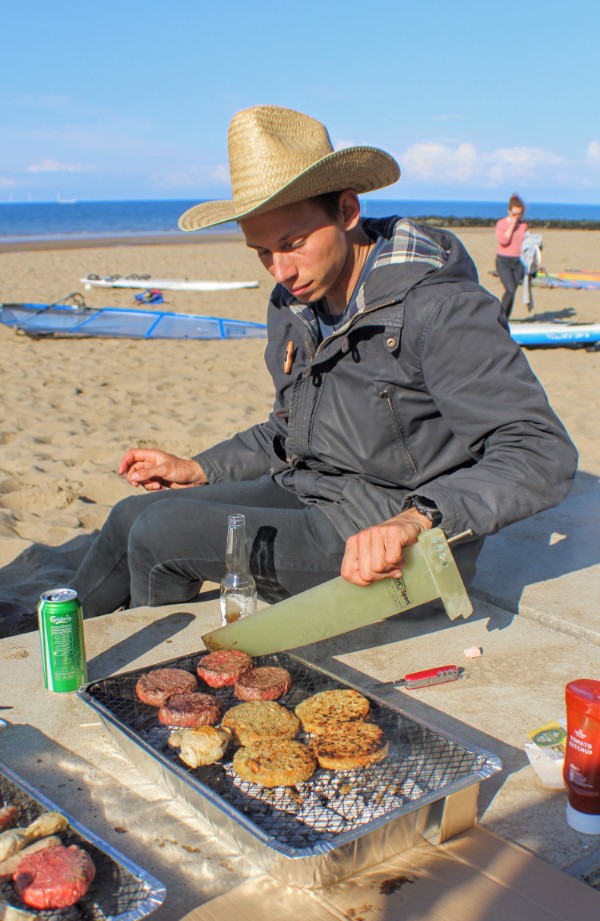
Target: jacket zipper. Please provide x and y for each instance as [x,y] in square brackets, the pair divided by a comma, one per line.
[385,394]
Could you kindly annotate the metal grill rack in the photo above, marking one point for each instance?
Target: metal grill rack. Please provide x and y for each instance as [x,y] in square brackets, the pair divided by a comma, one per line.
[331,807]
[120,890]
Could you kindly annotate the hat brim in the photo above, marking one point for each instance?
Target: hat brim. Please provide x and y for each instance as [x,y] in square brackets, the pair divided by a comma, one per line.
[362,169]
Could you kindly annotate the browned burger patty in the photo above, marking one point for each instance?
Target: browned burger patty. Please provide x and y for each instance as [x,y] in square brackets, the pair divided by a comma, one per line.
[265,683]
[259,719]
[55,877]
[154,687]
[223,668]
[274,763]
[328,708]
[190,710]
[349,745]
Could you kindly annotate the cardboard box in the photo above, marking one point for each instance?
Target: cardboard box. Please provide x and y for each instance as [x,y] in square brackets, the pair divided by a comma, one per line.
[476,876]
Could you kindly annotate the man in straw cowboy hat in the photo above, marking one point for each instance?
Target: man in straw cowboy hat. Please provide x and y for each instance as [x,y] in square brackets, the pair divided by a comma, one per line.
[401,401]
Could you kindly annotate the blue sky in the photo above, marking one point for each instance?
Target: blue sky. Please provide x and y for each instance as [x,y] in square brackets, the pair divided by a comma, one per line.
[123,99]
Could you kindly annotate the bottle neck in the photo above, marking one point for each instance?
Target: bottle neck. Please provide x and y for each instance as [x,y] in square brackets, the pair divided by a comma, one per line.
[236,554]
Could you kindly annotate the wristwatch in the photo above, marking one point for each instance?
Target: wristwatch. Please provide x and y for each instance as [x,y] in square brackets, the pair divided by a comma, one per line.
[428,508]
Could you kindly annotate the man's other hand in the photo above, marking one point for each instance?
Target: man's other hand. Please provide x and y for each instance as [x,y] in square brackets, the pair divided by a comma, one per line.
[376,553]
[155,469]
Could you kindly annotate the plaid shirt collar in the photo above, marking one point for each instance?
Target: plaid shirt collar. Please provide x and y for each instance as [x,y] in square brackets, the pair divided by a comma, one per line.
[408,244]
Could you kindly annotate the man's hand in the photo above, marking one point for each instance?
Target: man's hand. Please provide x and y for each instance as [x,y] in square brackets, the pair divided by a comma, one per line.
[155,469]
[376,553]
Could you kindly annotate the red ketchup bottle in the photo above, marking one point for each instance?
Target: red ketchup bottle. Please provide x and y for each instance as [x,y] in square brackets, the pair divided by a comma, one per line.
[581,772]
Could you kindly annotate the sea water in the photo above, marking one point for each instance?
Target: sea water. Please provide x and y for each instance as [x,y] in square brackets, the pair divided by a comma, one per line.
[90,219]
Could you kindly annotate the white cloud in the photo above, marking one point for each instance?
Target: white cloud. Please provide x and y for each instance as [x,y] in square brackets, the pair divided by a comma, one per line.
[593,152]
[342,144]
[463,163]
[518,163]
[440,162]
[54,166]
[220,173]
[6,183]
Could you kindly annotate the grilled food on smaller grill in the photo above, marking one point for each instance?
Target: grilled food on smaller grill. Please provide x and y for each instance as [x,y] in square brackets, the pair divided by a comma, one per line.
[275,763]
[203,745]
[258,719]
[328,708]
[56,877]
[8,816]
[349,745]
[8,867]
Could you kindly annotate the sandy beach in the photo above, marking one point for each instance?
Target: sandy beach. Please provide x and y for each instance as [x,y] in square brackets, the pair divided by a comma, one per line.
[70,408]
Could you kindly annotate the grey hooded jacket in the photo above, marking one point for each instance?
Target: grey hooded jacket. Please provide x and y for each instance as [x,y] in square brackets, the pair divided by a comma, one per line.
[422,392]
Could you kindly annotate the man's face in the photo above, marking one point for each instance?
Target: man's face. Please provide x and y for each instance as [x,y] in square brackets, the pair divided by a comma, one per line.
[303,249]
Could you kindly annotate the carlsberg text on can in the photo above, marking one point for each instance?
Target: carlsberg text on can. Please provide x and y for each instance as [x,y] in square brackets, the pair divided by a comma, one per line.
[61,638]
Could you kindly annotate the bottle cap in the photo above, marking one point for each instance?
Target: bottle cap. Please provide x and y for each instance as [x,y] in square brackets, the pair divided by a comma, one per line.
[583,821]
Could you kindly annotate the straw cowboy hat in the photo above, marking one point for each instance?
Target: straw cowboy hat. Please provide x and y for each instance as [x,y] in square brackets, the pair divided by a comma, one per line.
[279,156]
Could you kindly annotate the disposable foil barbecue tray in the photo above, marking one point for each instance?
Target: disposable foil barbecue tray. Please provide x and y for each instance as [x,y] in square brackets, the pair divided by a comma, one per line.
[121,890]
[319,831]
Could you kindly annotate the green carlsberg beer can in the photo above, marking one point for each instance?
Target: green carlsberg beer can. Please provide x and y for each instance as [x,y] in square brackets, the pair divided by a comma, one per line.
[61,637]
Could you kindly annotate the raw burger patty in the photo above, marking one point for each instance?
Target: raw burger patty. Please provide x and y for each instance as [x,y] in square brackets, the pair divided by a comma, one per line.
[154,687]
[55,877]
[275,763]
[190,710]
[222,669]
[328,708]
[349,745]
[258,719]
[266,683]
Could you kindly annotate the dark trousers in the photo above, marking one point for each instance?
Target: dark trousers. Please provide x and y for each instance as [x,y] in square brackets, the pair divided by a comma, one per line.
[159,547]
[510,271]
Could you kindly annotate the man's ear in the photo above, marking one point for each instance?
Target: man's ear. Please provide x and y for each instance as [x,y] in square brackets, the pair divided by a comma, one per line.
[349,208]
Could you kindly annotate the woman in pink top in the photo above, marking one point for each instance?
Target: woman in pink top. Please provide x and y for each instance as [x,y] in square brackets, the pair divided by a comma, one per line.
[510,231]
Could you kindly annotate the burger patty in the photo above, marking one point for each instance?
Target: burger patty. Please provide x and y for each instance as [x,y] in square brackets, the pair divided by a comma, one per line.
[55,877]
[274,763]
[258,719]
[328,708]
[154,687]
[223,668]
[349,745]
[266,683]
[190,710]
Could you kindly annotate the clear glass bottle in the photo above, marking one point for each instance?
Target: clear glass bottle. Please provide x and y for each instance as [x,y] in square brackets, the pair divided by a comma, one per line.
[238,588]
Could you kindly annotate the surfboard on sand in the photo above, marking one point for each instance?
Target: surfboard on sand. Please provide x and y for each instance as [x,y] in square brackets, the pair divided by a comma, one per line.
[162,284]
[37,320]
[556,334]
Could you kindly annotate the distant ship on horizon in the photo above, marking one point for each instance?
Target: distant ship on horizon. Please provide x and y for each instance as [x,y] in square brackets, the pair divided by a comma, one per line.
[65,201]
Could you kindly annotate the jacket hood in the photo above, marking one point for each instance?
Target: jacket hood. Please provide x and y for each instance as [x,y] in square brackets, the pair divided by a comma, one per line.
[444,261]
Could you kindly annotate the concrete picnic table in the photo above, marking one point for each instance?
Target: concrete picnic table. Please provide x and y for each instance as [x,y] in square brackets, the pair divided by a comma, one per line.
[58,744]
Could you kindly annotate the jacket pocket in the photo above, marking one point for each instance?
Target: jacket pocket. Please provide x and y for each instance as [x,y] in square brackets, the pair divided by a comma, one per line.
[384,393]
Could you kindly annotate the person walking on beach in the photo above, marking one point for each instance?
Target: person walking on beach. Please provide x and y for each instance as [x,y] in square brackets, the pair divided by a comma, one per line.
[510,231]
[401,402]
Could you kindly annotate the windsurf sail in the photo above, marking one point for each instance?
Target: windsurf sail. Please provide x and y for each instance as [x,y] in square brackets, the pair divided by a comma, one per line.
[163,284]
[37,320]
